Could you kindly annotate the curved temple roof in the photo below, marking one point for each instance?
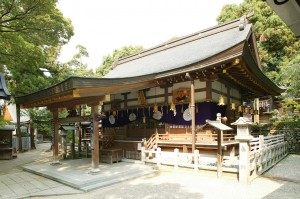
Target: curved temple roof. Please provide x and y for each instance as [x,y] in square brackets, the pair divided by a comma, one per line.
[203,54]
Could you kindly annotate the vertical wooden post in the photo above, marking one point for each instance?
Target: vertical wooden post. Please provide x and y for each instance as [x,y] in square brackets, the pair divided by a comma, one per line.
[73,145]
[55,134]
[79,141]
[19,127]
[208,91]
[193,115]
[32,143]
[256,106]
[95,149]
[220,154]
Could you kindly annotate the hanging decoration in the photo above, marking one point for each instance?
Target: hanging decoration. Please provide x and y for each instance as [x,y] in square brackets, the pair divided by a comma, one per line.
[232,106]
[132,117]
[157,115]
[155,108]
[112,119]
[187,115]
[172,106]
[221,99]
[240,109]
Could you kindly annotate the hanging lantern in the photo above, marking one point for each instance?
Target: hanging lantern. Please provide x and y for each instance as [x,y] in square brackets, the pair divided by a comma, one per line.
[240,108]
[246,110]
[232,106]
[172,107]
[155,108]
[221,101]
[251,111]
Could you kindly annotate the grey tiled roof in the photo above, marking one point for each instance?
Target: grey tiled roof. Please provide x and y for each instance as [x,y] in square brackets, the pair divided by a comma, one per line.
[182,55]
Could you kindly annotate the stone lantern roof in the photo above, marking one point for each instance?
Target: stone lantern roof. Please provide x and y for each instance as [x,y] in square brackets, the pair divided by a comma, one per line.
[4,93]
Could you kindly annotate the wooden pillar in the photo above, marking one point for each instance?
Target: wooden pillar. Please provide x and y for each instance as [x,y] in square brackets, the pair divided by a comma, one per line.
[208,91]
[73,145]
[32,143]
[125,106]
[220,154]
[79,140]
[55,136]
[166,96]
[256,106]
[95,141]
[19,127]
[193,115]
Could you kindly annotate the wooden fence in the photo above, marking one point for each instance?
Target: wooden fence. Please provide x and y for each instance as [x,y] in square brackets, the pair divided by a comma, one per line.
[264,153]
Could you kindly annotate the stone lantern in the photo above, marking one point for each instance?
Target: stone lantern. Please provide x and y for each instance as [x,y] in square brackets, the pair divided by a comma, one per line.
[63,135]
[244,137]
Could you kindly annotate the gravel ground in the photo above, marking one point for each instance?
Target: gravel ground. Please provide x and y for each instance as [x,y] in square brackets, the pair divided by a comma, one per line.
[187,184]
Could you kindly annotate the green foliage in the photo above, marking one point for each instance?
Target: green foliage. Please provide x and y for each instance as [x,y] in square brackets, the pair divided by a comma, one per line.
[29,31]
[76,65]
[42,119]
[5,141]
[289,75]
[108,60]
[3,122]
[275,40]
[289,119]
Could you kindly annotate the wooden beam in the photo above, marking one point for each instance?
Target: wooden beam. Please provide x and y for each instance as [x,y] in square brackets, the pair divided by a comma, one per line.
[76,101]
[74,119]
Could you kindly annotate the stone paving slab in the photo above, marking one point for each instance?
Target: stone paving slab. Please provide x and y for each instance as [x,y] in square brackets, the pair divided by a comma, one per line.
[76,173]
[23,184]
[287,169]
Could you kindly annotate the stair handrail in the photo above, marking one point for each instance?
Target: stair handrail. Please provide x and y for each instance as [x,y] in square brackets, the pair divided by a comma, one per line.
[151,142]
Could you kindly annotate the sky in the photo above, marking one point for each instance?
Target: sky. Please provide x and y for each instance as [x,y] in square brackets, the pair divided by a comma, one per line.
[105,25]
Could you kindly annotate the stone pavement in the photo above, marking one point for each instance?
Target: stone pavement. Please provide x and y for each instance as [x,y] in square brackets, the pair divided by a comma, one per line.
[16,183]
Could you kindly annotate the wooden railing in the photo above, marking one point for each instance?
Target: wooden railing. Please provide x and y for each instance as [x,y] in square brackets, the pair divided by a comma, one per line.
[266,152]
[201,138]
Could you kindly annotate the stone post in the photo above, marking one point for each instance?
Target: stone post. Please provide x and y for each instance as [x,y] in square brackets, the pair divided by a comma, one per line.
[176,151]
[143,155]
[196,160]
[244,137]
[157,156]
[63,144]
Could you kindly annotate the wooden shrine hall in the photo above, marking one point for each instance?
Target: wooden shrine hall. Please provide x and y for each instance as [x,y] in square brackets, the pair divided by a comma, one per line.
[168,91]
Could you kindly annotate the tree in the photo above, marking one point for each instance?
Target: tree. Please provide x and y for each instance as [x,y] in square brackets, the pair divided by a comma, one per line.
[289,76]
[108,60]
[78,68]
[29,30]
[275,40]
